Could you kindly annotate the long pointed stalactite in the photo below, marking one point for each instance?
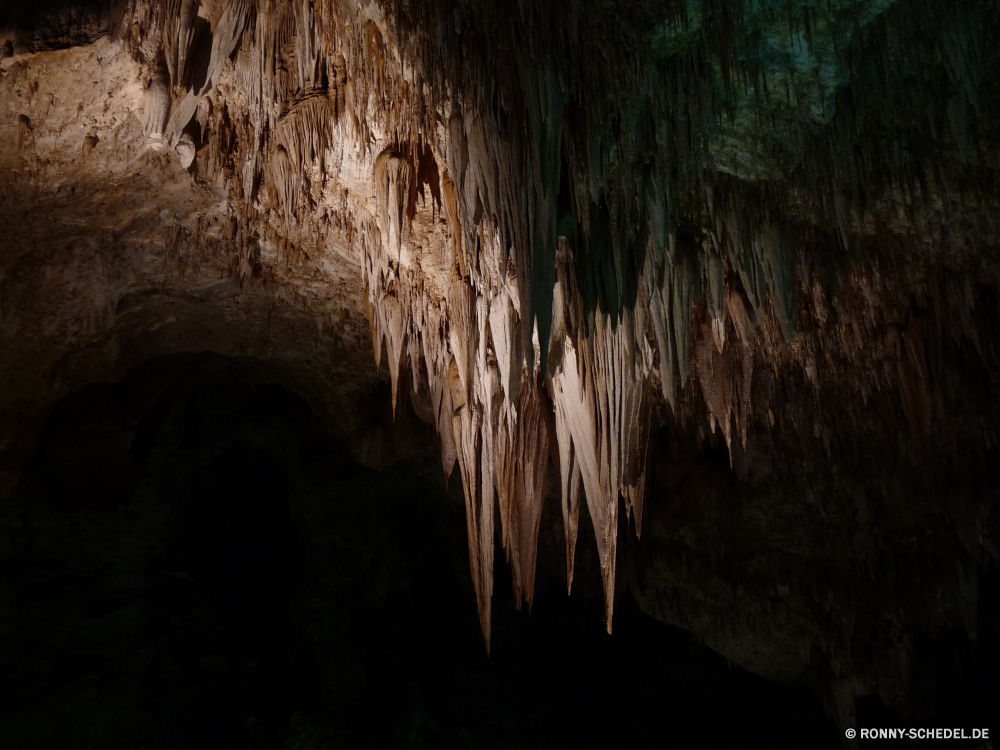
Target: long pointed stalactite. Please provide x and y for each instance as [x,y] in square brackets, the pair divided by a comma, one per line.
[561,232]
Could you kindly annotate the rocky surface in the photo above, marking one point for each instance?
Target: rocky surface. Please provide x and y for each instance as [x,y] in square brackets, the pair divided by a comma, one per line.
[724,274]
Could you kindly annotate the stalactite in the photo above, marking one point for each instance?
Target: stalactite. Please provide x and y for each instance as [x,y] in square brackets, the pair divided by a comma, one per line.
[186,149]
[157,107]
[187,25]
[394,190]
[779,263]
[23,131]
[599,390]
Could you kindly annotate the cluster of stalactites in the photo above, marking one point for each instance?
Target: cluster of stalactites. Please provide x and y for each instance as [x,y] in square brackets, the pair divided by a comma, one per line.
[562,290]
[463,334]
[522,371]
[600,392]
[498,415]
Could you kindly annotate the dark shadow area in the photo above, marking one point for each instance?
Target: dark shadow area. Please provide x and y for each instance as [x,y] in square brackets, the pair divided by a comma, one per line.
[197,562]
[40,25]
[954,680]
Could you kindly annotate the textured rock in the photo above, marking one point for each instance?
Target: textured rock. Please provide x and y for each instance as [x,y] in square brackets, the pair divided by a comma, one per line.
[569,228]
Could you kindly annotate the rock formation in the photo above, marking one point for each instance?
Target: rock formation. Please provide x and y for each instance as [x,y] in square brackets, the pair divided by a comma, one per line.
[589,240]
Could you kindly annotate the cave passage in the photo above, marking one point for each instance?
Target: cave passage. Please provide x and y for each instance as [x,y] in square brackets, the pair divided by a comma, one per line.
[214,570]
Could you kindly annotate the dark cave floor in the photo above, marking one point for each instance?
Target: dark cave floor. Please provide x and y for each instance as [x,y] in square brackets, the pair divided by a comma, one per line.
[197,562]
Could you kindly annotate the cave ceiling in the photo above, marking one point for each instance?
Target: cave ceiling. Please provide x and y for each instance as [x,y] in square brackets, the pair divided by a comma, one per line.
[566,234]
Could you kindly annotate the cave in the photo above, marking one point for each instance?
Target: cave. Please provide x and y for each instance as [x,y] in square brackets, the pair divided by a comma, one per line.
[495,373]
